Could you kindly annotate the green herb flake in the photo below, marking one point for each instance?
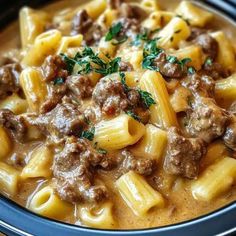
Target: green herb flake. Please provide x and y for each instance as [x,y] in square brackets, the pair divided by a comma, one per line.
[147,98]
[139,37]
[171,38]
[113,31]
[133,115]
[70,62]
[191,70]
[208,61]
[123,81]
[150,52]
[184,61]
[120,40]
[172,59]
[58,81]
[88,134]
[102,151]
[155,30]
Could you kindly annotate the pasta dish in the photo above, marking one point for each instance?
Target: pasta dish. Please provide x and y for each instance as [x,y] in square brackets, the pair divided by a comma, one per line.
[118,114]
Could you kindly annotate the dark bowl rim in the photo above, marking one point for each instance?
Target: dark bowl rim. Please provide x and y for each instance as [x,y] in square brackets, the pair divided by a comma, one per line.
[198,219]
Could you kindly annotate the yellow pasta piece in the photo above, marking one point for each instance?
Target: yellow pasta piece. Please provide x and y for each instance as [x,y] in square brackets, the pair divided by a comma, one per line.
[98,218]
[106,47]
[215,151]
[195,15]
[108,17]
[157,19]
[193,52]
[118,133]
[96,8]
[5,144]
[162,112]
[46,203]
[39,164]
[215,180]
[45,44]
[179,99]
[226,55]
[150,5]
[69,42]
[226,88]
[153,143]
[173,33]
[34,88]
[138,194]
[15,104]
[32,24]
[9,178]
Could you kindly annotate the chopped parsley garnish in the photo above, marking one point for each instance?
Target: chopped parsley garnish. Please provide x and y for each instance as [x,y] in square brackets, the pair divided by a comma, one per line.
[58,81]
[191,70]
[99,150]
[172,59]
[147,98]
[113,31]
[133,115]
[120,40]
[150,52]
[125,86]
[208,61]
[88,134]
[83,63]
[139,37]
[102,151]
[184,61]
[155,30]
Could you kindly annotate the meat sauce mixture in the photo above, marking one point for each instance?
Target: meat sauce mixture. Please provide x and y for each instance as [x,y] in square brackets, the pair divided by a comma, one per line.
[82,173]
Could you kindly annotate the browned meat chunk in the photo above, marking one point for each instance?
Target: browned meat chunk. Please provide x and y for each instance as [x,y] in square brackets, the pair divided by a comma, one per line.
[9,79]
[183,154]
[209,45]
[57,92]
[206,120]
[141,166]
[201,85]
[132,12]
[167,68]
[195,32]
[83,24]
[215,70]
[54,67]
[15,124]
[230,134]
[80,85]
[65,119]
[232,108]
[111,97]
[73,171]
[115,4]
[130,27]
[126,66]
